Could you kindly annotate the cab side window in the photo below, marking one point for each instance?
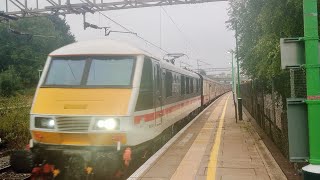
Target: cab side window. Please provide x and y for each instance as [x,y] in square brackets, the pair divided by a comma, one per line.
[147,76]
[145,98]
[188,85]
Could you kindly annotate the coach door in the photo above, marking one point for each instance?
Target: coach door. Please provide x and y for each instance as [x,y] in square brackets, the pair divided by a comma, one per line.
[157,93]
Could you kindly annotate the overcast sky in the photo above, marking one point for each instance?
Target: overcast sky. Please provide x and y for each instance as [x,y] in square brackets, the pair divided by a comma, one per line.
[204,34]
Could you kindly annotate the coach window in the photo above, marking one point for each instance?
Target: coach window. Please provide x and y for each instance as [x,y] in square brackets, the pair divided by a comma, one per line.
[193,88]
[187,85]
[183,85]
[191,85]
[168,82]
[197,85]
[175,87]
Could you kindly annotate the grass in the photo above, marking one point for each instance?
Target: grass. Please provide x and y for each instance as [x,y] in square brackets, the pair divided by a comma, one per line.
[14,121]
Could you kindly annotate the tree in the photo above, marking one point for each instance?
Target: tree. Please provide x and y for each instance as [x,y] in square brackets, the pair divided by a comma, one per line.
[24,46]
[259,25]
[9,82]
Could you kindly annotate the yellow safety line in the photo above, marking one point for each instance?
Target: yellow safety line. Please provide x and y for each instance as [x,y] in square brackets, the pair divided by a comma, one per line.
[212,166]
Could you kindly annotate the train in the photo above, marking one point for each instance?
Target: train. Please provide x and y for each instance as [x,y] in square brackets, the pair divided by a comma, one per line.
[102,106]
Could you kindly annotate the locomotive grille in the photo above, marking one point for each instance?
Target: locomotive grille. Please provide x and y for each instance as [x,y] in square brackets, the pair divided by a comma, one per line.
[73,124]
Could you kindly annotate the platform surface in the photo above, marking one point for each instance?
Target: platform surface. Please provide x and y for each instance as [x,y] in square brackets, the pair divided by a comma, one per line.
[215,147]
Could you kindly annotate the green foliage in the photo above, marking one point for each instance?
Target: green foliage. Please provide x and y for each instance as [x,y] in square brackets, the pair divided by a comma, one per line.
[21,56]
[10,82]
[260,24]
[14,121]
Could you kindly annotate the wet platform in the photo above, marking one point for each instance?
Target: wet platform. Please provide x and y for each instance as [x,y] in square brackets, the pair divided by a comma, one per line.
[213,147]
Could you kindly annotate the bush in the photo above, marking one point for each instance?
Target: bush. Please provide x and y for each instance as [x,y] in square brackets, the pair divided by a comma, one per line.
[14,121]
[10,82]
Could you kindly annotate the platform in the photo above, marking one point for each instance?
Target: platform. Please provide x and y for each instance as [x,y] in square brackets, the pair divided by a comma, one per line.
[213,147]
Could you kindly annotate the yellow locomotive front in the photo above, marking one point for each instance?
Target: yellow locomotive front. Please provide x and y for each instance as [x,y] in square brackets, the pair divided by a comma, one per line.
[81,110]
[82,101]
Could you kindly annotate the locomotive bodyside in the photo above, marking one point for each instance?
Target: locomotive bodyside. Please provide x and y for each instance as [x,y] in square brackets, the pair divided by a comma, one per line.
[167,95]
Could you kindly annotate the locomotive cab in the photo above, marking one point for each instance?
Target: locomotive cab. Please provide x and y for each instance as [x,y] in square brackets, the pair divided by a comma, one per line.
[83,100]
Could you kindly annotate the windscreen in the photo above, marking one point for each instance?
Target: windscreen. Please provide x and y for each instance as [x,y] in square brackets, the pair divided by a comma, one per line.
[90,71]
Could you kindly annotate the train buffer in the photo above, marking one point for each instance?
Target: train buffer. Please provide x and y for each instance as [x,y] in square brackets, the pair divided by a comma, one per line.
[213,147]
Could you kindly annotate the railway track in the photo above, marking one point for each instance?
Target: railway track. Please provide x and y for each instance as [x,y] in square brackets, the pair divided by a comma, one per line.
[4,163]
[12,176]
[4,153]
[7,173]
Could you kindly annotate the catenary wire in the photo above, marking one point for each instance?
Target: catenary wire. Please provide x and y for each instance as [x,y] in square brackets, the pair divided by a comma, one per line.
[140,37]
[189,42]
[130,31]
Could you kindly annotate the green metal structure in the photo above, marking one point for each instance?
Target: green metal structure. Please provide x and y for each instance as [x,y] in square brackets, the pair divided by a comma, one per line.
[313,77]
[311,38]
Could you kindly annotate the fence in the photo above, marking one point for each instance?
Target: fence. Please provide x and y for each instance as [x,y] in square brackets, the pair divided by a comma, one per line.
[266,102]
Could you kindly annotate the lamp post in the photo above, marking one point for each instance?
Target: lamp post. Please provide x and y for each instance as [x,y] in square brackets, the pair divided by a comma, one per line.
[233,83]
[232,71]
[238,72]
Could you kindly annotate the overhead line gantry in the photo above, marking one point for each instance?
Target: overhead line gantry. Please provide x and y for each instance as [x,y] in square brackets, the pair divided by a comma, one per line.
[23,9]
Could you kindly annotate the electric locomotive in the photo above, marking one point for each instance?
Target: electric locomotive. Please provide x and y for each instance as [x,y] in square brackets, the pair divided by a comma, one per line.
[102,105]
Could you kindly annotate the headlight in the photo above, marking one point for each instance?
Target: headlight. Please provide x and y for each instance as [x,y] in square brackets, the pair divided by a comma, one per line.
[107,124]
[44,122]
